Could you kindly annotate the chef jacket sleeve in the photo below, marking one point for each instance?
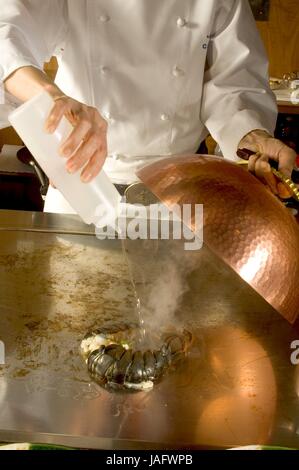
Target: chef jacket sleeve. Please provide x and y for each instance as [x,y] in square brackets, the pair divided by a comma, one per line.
[30,32]
[236,96]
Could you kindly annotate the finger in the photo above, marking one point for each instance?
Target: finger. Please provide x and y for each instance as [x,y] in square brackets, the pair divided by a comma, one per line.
[75,138]
[84,153]
[263,172]
[262,166]
[94,166]
[287,159]
[55,116]
[251,162]
[283,191]
[271,182]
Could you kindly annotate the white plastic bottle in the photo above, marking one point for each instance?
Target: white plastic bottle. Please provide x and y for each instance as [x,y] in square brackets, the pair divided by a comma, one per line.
[96,202]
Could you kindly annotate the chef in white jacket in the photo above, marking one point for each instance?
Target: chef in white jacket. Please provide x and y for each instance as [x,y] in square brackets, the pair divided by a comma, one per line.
[143,79]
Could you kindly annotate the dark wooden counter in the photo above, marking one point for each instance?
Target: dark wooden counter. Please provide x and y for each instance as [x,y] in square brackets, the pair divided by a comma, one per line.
[285,107]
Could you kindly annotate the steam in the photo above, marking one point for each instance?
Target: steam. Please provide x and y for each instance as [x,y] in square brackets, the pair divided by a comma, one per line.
[159,272]
[164,297]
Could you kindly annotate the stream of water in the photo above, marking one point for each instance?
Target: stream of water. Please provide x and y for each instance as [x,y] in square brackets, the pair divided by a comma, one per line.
[141,321]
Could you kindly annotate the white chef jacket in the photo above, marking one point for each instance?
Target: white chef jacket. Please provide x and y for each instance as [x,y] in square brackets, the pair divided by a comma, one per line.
[164,73]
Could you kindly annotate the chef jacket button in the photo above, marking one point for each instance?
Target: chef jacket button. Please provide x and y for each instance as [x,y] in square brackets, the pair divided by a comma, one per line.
[177,72]
[165,117]
[181,22]
[104,69]
[104,18]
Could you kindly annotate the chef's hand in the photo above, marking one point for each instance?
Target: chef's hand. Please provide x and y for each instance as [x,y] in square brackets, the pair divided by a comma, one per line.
[86,146]
[269,148]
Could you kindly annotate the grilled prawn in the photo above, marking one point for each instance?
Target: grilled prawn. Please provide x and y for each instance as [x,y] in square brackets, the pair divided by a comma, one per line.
[115,365]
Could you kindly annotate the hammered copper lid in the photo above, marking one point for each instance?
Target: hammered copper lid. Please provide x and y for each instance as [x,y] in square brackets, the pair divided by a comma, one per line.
[244,224]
